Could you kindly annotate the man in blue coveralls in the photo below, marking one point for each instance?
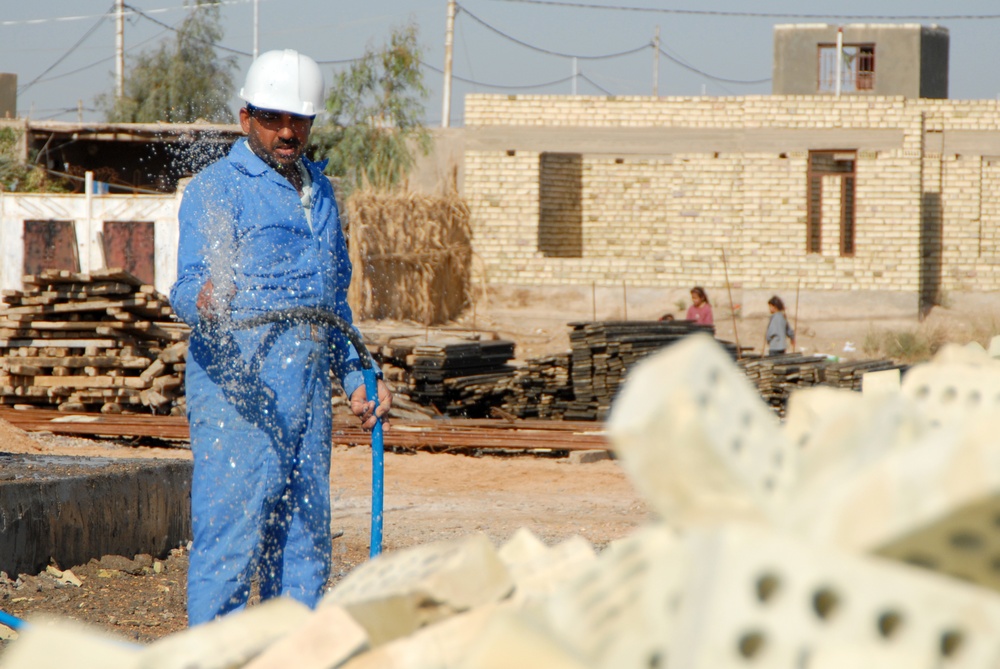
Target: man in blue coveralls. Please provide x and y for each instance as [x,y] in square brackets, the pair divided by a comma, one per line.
[260,232]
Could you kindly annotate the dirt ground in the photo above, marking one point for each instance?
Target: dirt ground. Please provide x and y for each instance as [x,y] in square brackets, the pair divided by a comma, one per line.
[436,496]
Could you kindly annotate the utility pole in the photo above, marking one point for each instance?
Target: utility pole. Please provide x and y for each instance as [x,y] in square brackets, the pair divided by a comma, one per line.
[656,63]
[449,40]
[120,49]
[256,29]
[576,73]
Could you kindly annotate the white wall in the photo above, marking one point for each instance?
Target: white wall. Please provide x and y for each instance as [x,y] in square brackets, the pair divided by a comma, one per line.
[89,214]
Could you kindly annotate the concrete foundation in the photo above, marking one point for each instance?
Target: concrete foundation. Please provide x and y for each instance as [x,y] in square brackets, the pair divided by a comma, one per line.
[69,510]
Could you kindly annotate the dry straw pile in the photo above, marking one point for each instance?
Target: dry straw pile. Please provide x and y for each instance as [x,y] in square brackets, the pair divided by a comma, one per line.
[412,256]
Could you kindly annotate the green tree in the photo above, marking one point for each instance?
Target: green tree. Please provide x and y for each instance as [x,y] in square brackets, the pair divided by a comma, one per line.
[18,176]
[182,80]
[373,130]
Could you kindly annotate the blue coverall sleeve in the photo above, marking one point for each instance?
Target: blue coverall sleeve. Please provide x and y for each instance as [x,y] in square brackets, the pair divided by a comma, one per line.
[192,266]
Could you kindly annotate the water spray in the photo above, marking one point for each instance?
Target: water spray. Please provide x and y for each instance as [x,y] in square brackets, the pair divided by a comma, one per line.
[317,316]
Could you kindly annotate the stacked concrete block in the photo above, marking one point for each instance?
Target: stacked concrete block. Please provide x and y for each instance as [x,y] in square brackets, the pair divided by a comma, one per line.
[399,593]
[727,456]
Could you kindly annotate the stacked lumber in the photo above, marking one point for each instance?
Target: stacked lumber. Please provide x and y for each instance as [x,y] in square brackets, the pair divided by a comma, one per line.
[86,342]
[454,373]
[541,388]
[602,352]
[849,374]
[777,376]
[462,378]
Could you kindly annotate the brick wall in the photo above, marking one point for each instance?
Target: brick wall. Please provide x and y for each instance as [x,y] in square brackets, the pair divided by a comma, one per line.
[925,219]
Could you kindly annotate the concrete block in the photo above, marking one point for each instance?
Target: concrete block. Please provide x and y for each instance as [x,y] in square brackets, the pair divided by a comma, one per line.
[588,456]
[622,610]
[841,433]
[442,645]
[327,639]
[49,643]
[398,593]
[757,595]
[743,595]
[884,381]
[538,570]
[512,640]
[696,439]
[954,390]
[230,641]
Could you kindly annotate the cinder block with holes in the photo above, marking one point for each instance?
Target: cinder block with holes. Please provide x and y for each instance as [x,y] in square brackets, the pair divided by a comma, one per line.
[741,595]
[696,439]
[537,569]
[957,391]
[398,593]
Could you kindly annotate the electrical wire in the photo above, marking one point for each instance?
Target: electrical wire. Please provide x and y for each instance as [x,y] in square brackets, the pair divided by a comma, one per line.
[497,86]
[57,19]
[22,89]
[765,15]
[548,51]
[750,82]
[595,84]
[203,41]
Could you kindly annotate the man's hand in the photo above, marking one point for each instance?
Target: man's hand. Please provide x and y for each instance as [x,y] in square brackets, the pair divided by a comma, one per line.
[208,307]
[364,409]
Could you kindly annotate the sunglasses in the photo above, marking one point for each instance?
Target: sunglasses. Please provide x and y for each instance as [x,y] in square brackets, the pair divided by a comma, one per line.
[273,120]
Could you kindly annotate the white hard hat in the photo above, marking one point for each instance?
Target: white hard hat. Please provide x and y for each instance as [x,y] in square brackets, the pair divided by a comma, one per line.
[284,81]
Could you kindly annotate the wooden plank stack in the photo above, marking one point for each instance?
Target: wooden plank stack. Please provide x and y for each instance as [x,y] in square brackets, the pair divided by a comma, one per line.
[86,342]
[465,379]
[849,374]
[602,352]
[777,376]
[541,388]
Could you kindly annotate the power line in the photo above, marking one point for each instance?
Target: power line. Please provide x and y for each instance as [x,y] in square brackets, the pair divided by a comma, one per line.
[711,76]
[56,19]
[595,84]
[498,86]
[765,15]
[548,51]
[66,55]
[203,41]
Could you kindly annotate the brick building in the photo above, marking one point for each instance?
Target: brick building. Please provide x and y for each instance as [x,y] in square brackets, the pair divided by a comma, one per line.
[852,193]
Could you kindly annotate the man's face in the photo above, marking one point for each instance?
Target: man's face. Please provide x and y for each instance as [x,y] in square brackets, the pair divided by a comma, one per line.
[277,137]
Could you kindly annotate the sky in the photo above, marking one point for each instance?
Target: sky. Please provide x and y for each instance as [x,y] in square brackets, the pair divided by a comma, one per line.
[62,51]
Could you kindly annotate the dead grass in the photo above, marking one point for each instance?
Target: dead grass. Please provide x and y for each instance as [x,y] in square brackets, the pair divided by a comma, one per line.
[906,346]
[412,256]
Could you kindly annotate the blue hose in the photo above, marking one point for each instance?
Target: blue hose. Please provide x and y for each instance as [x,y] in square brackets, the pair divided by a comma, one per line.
[325,317]
[378,467]
[10,621]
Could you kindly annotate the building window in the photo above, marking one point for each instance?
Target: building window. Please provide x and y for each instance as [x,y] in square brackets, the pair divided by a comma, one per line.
[831,192]
[857,68]
[560,205]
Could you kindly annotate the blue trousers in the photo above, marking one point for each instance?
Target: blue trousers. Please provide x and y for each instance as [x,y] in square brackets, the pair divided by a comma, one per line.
[260,496]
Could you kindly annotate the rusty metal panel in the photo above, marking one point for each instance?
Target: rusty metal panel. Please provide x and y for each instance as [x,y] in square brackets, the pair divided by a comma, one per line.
[50,245]
[131,245]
